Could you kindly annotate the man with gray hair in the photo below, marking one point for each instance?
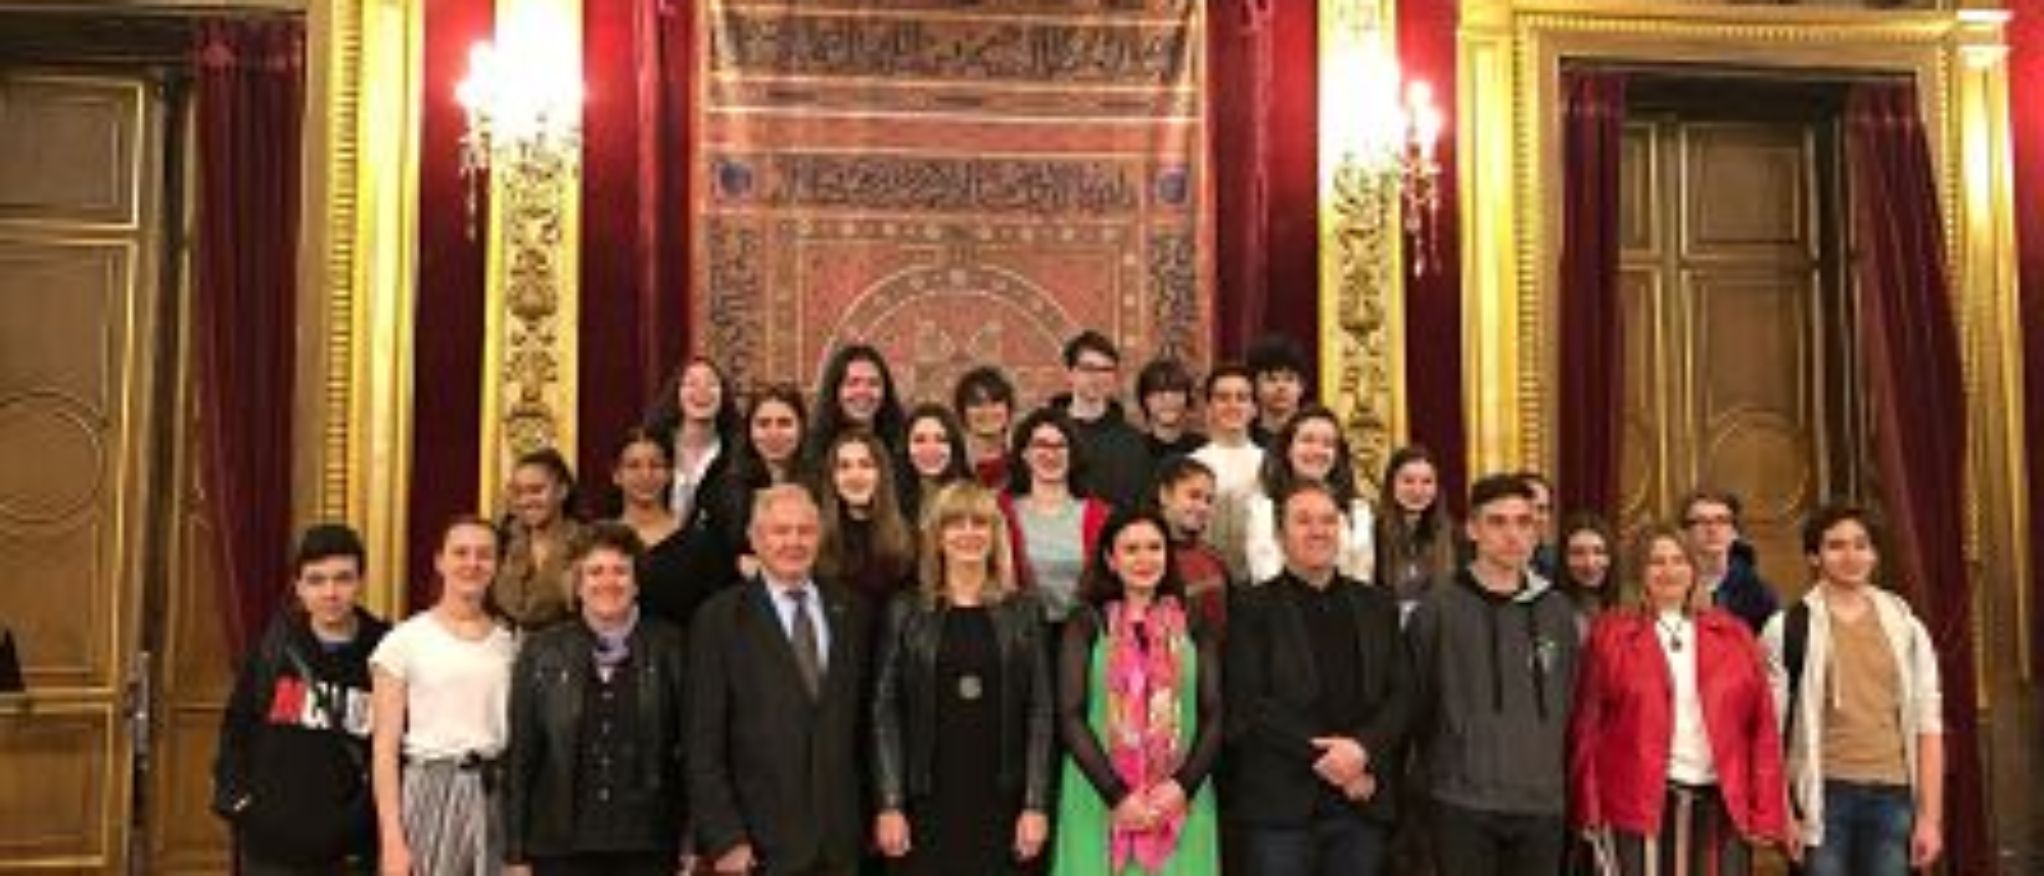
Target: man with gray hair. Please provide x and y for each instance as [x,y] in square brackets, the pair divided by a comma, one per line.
[776,672]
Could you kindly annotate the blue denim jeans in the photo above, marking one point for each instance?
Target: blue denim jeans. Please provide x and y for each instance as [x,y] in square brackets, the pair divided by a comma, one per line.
[1866,831]
[1332,844]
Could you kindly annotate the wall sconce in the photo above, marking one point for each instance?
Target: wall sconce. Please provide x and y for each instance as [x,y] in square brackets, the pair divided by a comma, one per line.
[523,97]
[1420,169]
[1385,132]
[523,106]
[1379,179]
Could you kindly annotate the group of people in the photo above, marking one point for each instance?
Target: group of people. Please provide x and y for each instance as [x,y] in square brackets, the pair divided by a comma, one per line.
[948,639]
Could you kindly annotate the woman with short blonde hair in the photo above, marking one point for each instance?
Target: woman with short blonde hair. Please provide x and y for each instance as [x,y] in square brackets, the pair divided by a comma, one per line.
[962,712]
[951,505]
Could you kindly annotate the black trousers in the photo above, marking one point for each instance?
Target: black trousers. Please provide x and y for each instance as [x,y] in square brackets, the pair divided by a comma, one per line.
[608,864]
[1472,843]
[254,864]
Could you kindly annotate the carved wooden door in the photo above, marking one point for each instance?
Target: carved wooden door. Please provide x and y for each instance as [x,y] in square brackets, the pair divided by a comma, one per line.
[1737,331]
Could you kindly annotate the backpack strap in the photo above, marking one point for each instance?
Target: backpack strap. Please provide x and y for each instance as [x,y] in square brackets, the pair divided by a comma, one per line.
[1795,645]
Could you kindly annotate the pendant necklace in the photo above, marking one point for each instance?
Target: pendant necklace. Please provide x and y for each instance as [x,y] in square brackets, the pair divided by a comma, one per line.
[1674,632]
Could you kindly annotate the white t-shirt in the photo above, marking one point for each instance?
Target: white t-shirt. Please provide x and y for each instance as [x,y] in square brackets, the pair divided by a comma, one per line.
[457,692]
[1238,470]
[1689,757]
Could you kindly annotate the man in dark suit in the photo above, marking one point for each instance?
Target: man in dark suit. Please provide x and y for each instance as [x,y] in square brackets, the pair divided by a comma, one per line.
[1318,701]
[776,671]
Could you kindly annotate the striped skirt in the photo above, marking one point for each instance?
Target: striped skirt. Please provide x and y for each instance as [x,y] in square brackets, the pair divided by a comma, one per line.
[1697,838]
[451,819]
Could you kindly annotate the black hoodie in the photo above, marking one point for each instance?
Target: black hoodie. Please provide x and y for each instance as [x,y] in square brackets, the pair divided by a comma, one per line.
[292,773]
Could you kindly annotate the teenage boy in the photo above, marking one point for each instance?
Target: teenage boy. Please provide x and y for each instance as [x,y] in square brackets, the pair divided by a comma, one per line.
[1856,677]
[1726,564]
[1495,651]
[1235,459]
[1117,459]
[1164,392]
[292,773]
[1278,366]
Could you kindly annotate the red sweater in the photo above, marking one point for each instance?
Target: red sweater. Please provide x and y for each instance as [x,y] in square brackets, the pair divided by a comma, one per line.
[1624,718]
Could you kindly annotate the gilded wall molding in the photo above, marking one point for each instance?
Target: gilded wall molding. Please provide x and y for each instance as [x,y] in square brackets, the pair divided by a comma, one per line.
[1986,282]
[363,100]
[334,90]
[1512,199]
[1541,36]
[531,287]
[1361,336]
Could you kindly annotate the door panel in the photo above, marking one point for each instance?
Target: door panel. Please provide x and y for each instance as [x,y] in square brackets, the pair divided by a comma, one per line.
[196,681]
[64,762]
[77,278]
[1723,312]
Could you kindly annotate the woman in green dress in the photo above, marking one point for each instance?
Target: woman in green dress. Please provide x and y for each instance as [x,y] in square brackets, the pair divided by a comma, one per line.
[1139,711]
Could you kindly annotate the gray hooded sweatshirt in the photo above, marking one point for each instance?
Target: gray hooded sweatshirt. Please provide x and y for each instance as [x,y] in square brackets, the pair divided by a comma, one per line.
[1496,676]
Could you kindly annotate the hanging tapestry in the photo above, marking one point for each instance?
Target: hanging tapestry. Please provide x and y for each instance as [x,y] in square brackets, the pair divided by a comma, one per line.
[956,182]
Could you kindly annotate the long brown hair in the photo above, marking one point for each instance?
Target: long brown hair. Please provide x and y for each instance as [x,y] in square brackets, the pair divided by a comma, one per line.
[893,547]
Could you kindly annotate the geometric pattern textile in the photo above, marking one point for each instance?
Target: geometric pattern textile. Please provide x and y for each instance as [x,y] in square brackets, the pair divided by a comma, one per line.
[953,181]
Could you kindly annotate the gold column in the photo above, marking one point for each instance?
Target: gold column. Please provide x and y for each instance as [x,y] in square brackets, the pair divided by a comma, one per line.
[532,294]
[1491,296]
[361,211]
[1361,276]
[1986,287]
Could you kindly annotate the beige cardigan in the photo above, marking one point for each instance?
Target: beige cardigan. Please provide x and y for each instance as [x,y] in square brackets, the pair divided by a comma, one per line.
[1921,703]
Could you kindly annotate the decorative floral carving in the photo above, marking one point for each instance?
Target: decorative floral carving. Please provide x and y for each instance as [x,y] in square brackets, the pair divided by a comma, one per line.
[535,190]
[1366,238]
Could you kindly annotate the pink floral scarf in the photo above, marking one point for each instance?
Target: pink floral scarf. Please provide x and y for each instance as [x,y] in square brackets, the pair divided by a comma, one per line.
[1142,720]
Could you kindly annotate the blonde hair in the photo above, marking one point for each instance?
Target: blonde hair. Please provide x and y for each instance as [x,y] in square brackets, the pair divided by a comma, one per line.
[965,500]
[1641,551]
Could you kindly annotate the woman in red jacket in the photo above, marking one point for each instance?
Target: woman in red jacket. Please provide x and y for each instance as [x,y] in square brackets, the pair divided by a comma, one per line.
[1674,755]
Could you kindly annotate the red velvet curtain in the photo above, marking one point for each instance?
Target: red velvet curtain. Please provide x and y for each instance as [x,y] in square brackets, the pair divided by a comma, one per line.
[1433,258]
[1913,375]
[2026,112]
[250,105]
[448,330]
[639,68]
[1586,464]
[1263,98]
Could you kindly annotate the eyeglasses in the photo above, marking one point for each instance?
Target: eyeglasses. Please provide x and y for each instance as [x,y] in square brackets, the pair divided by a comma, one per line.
[1095,367]
[1048,445]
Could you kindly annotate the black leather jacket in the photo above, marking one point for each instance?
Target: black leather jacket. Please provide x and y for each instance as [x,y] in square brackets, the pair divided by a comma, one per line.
[905,701]
[541,783]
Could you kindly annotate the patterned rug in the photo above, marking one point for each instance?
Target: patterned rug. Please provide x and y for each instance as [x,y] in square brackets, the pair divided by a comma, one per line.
[954,181]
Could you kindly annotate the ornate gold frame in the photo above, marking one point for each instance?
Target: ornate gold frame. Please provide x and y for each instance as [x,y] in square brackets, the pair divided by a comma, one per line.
[1362,278]
[532,290]
[358,263]
[1511,56]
